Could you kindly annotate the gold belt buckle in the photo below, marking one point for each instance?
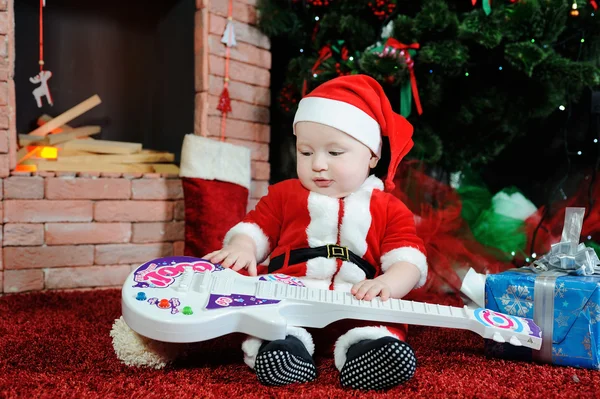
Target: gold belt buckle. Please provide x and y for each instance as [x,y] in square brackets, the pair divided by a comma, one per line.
[337,251]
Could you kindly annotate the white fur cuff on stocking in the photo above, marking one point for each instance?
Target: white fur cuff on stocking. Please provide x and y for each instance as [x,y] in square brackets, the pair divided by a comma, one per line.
[354,336]
[251,345]
[208,159]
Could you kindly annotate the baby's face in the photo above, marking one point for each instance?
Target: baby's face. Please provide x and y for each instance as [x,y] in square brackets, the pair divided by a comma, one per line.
[329,161]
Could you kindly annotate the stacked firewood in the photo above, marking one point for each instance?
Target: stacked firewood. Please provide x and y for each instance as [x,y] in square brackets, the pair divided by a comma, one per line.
[58,147]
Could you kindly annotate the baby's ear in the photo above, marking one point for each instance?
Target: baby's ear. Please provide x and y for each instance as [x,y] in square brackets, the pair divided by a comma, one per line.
[373,161]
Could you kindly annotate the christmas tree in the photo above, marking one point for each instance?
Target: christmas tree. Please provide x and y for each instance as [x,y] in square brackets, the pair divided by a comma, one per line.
[483,74]
[504,94]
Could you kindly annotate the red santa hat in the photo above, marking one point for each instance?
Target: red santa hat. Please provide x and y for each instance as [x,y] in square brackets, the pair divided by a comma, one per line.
[358,106]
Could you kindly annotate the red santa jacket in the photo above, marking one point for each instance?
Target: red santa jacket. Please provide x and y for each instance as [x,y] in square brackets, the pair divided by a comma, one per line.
[373,224]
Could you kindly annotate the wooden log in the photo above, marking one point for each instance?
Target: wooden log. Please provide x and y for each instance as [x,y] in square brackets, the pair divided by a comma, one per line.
[53,139]
[67,116]
[21,155]
[63,153]
[24,154]
[61,146]
[166,168]
[128,158]
[27,139]
[57,166]
[103,146]
[47,118]
[72,134]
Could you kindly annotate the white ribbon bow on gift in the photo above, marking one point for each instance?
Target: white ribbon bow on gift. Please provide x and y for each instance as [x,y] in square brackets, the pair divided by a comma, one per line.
[568,255]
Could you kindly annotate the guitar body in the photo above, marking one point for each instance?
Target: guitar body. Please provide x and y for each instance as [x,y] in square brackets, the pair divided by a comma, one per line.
[185,299]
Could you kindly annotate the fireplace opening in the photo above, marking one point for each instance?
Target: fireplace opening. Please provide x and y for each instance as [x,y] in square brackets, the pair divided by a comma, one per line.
[136,55]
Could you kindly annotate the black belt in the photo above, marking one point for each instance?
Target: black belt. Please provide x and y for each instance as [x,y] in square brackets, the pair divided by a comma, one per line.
[327,251]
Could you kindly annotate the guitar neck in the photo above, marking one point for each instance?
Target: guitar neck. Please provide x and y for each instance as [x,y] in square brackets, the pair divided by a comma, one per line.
[312,307]
[337,305]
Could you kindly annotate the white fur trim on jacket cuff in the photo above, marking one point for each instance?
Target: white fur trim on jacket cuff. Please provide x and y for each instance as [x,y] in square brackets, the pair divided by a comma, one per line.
[251,345]
[406,254]
[208,159]
[253,231]
[354,336]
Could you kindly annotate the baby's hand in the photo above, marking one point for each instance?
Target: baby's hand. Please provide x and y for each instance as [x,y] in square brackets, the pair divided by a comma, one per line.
[369,289]
[234,257]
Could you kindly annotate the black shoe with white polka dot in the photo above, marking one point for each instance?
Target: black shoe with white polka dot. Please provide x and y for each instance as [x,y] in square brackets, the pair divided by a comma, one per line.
[376,364]
[285,361]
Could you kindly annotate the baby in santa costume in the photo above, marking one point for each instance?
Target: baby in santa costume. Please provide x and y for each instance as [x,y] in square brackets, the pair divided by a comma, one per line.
[336,227]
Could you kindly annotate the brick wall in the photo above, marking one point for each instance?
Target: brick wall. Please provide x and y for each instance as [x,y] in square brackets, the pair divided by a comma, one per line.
[71,231]
[67,230]
[250,62]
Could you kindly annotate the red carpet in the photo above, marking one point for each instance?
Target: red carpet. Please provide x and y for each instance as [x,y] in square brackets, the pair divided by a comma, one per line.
[55,345]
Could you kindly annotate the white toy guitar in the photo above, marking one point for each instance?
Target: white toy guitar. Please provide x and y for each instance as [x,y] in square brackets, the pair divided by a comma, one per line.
[184,299]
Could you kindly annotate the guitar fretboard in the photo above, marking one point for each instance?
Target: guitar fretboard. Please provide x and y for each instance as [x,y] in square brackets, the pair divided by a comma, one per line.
[222,284]
[268,290]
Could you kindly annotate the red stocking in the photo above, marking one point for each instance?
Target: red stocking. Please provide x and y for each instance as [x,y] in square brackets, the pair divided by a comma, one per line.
[216,181]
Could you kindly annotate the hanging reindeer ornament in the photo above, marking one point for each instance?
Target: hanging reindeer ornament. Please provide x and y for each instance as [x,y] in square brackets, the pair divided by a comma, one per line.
[42,78]
[42,90]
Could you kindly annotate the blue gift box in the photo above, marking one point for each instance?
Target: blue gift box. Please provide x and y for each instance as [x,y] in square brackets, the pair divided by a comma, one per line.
[566,307]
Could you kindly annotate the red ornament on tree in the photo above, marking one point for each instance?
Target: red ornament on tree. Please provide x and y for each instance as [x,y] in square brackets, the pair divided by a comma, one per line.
[288,98]
[381,8]
[318,3]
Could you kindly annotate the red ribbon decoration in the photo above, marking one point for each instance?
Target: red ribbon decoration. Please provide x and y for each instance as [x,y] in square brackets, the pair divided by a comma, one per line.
[344,53]
[224,100]
[41,61]
[410,63]
[594,4]
[324,54]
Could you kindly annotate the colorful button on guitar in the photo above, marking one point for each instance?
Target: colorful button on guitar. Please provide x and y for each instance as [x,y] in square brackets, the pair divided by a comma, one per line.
[141,296]
[187,310]
[164,304]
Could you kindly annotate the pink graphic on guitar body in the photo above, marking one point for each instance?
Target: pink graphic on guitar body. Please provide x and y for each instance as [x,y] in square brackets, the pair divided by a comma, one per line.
[223,301]
[161,273]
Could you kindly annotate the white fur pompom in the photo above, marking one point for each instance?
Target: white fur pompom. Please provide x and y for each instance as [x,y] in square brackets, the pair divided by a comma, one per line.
[136,350]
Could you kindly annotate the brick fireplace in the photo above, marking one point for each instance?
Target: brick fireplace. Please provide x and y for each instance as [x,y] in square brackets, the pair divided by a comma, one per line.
[64,230]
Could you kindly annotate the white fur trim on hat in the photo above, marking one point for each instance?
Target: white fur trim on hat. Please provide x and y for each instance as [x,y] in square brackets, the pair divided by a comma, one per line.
[208,159]
[253,231]
[354,336]
[343,116]
[406,254]
[251,345]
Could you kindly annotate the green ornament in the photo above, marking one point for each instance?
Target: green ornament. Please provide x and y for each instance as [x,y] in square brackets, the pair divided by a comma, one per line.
[487,7]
